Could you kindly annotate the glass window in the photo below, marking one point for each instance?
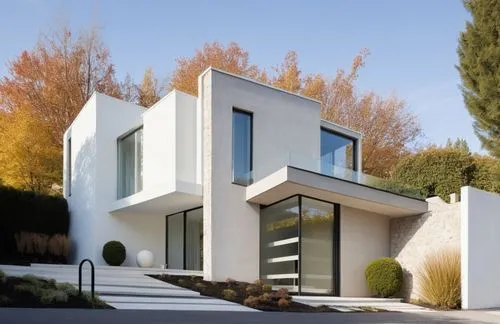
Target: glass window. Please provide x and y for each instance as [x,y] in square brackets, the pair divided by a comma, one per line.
[338,151]
[279,237]
[175,241]
[130,164]
[316,250]
[194,239]
[242,147]
[68,162]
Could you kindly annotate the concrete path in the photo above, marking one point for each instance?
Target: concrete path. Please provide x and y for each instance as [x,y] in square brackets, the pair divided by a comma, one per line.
[85,316]
[130,288]
[352,304]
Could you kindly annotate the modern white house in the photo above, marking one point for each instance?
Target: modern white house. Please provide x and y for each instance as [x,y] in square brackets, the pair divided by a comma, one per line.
[244,181]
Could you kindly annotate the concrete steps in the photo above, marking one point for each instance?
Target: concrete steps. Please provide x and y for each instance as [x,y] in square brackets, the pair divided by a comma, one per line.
[130,288]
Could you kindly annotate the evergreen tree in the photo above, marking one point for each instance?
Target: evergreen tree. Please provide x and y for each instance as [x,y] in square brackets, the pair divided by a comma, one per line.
[479,67]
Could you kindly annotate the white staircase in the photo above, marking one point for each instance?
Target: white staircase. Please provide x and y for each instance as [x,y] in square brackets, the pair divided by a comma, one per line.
[130,288]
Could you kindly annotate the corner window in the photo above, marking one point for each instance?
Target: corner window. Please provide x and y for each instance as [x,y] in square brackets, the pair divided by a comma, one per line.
[337,150]
[242,147]
[130,164]
[68,166]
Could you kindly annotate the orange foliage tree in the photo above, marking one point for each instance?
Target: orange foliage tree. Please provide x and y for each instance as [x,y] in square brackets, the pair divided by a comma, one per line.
[45,89]
[232,59]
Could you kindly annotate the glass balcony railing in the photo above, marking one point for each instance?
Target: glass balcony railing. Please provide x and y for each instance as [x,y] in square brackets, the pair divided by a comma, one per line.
[325,166]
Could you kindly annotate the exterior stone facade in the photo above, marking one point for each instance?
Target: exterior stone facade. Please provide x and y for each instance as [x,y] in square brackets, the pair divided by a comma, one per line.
[414,237]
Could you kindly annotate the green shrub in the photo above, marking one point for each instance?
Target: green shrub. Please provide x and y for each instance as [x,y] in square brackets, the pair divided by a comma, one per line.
[384,277]
[253,290]
[32,279]
[265,298]
[69,289]
[2,276]
[114,253]
[52,296]
[267,288]
[200,285]
[439,279]
[181,282]
[229,294]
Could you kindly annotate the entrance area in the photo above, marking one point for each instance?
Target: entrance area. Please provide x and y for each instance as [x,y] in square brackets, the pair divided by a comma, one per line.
[184,242]
[299,245]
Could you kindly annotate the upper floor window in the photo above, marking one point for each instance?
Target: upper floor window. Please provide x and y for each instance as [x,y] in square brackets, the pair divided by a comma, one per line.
[130,163]
[242,147]
[337,150]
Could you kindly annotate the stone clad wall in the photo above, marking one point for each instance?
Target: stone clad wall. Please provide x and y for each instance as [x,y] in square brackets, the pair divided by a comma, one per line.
[414,237]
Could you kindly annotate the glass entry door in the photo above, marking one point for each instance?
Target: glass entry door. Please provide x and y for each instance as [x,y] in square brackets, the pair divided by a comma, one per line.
[299,245]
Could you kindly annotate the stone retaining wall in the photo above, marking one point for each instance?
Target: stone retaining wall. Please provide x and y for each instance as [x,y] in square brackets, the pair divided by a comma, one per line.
[414,237]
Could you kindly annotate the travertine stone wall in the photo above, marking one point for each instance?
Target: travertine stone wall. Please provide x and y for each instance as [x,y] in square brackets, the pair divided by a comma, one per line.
[414,237]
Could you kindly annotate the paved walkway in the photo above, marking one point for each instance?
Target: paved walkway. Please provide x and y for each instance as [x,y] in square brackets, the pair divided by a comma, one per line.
[130,288]
[352,304]
[85,316]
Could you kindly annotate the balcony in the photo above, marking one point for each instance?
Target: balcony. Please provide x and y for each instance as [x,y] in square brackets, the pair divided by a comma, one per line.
[321,179]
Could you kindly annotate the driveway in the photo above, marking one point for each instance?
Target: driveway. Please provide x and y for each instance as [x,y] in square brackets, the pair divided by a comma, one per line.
[85,316]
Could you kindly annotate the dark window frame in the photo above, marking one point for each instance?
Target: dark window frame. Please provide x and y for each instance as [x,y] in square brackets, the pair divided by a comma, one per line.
[354,140]
[184,219]
[335,243]
[250,114]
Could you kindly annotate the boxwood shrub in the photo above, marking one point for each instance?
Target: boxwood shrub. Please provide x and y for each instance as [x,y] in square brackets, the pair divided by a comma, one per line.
[114,253]
[384,277]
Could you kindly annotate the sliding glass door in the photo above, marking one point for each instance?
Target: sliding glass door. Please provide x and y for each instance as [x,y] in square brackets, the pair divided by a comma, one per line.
[185,240]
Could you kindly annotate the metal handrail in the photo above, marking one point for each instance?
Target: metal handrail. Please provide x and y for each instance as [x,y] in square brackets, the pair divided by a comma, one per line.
[92,277]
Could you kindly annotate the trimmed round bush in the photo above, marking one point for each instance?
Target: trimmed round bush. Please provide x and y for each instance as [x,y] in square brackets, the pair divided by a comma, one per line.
[384,277]
[114,253]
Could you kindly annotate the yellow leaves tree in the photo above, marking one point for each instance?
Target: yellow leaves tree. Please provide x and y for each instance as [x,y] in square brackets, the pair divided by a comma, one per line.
[28,159]
[44,91]
[148,90]
[288,74]
[231,58]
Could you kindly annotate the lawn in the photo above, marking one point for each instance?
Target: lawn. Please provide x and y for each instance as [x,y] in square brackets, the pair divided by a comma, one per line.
[256,295]
[33,292]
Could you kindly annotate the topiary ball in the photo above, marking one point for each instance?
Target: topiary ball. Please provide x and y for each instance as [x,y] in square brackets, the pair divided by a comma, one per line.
[114,253]
[384,277]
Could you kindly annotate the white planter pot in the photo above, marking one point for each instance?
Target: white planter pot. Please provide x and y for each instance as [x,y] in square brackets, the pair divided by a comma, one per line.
[145,259]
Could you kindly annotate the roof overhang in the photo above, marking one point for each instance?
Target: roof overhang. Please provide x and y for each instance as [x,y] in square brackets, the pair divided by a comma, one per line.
[161,201]
[289,181]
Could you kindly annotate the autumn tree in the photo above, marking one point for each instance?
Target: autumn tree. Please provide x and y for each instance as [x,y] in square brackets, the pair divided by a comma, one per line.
[288,74]
[479,67]
[388,128]
[148,93]
[231,58]
[43,92]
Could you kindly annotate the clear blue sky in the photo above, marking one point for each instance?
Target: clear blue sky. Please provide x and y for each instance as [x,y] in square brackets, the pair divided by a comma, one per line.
[412,43]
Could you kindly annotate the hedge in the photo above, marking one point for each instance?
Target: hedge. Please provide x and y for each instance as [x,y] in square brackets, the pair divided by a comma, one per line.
[25,211]
[442,171]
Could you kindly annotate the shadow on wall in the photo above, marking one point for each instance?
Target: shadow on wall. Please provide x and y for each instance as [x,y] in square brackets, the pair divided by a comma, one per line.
[82,201]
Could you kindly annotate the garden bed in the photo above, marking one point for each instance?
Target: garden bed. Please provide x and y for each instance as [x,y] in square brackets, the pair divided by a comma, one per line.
[256,295]
[33,292]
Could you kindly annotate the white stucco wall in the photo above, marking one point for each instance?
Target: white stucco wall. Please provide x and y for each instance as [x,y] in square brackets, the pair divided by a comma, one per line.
[81,202]
[282,123]
[480,213]
[364,237]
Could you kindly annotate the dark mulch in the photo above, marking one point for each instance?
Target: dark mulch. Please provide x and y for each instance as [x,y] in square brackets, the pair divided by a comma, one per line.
[431,306]
[33,288]
[215,289]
